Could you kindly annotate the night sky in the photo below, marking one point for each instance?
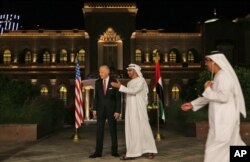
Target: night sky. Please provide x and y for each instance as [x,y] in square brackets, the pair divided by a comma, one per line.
[171,15]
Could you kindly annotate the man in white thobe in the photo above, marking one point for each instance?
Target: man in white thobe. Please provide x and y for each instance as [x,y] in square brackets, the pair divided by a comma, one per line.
[224,95]
[138,133]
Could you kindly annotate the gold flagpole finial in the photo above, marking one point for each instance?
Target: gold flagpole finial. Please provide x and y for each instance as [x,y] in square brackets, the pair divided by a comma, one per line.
[156,56]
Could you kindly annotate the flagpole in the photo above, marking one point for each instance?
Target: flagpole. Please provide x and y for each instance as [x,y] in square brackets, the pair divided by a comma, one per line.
[158,135]
[78,100]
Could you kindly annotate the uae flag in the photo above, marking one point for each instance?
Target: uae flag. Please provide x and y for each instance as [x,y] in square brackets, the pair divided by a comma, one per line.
[78,97]
[159,90]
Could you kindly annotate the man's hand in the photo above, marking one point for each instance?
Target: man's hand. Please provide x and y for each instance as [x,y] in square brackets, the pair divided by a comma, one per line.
[186,106]
[116,84]
[116,115]
[208,83]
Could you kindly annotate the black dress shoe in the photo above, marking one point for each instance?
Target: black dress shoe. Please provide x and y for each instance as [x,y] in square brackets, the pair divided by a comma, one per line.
[115,155]
[95,156]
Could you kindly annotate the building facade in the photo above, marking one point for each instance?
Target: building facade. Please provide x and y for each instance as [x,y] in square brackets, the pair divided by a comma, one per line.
[47,57]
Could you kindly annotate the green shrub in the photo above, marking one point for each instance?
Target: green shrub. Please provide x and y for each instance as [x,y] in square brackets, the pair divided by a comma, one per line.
[202,114]
[244,78]
[21,103]
[19,91]
[13,95]
[46,112]
[175,116]
[70,114]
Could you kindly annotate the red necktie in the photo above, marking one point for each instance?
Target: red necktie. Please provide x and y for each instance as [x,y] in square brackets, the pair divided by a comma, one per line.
[104,86]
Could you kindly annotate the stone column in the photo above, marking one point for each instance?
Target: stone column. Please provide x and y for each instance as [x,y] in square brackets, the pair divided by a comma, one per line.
[147,57]
[167,95]
[34,57]
[86,101]
[72,57]
[53,83]
[166,59]
[53,57]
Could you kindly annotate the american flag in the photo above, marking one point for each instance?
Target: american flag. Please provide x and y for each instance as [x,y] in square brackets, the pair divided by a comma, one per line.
[78,98]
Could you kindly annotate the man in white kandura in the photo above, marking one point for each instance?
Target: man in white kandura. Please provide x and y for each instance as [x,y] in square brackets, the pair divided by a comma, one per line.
[139,137]
[226,103]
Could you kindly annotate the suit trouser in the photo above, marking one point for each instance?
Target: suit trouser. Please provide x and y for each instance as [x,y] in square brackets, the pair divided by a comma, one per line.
[100,133]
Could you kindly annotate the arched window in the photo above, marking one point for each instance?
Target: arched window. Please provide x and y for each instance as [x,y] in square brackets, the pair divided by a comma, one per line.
[44,91]
[7,57]
[28,57]
[190,57]
[138,55]
[63,94]
[81,56]
[46,57]
[172,57]
[175,93]
[63,56]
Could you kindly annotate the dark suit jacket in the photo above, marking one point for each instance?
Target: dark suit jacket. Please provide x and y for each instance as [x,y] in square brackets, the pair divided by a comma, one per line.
[109,103]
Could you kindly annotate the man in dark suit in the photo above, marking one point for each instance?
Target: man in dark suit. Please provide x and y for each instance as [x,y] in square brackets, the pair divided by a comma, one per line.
[107,105]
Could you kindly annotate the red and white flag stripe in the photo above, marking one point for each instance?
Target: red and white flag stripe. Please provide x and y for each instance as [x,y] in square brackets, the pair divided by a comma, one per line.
[78,98]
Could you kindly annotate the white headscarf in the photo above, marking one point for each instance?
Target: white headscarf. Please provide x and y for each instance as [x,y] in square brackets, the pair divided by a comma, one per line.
[137,68]
[222,62]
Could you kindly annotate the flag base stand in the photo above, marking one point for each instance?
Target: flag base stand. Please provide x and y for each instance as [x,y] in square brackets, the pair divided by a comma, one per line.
[76,137]
[158,137]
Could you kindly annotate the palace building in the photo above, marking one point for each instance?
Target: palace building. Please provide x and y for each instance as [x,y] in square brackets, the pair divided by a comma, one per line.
[47,57]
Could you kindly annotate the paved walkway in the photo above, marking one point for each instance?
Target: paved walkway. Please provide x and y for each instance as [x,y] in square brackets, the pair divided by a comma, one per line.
[60,147]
